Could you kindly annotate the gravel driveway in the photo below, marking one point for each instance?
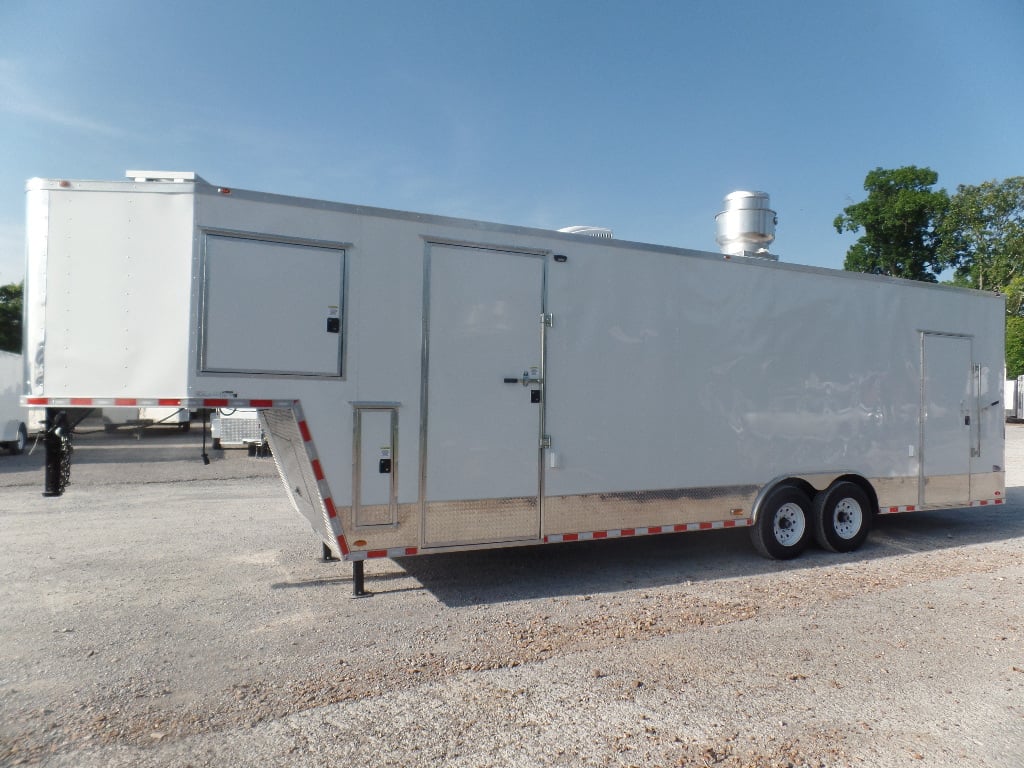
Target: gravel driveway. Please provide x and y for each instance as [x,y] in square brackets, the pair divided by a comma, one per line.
[163,613]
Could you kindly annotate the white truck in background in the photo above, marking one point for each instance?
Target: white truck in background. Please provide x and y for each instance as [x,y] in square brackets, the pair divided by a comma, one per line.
[430,384]
[13,431]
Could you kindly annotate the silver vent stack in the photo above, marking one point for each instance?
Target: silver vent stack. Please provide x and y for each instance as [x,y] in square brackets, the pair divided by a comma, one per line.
[589,231]
[747,225]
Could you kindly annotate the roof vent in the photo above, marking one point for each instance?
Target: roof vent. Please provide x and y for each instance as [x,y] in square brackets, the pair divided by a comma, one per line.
[179,177]
[589,231]
[747,225]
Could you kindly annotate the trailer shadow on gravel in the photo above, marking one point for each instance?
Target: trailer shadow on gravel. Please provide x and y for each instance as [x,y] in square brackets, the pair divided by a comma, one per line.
[595,567]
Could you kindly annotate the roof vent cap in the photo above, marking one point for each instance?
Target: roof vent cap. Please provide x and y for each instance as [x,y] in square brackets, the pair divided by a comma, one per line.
[179,177]
[747,225]
[583,229]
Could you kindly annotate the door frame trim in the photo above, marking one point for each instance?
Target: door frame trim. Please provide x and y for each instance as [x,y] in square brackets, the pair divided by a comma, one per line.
[921,453]
[543,255]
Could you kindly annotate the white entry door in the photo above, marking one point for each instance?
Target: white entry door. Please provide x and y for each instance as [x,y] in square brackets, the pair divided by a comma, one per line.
[946,411]
[482,456]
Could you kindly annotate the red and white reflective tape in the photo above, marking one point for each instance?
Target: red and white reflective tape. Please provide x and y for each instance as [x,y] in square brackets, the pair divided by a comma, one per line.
[330,511]
[893,510]
[377,553]
[987,502]
[151,402]
[912,508]
[618,533]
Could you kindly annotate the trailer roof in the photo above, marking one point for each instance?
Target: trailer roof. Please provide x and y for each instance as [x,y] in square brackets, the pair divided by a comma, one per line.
[189,182]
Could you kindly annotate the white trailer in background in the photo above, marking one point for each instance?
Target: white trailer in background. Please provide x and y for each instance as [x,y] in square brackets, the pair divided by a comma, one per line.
[431,384]
[13,432]
[1013,399]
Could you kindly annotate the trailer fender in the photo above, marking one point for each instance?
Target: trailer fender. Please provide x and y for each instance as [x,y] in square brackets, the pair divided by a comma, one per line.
[758,505]
[812,483]
[838,510]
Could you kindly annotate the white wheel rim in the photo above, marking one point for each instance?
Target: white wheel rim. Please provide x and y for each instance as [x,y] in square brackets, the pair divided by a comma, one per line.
[789,524]
[847,518]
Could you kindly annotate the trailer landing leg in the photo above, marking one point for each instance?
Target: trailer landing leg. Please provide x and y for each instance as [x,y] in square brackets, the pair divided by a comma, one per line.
[328,556]
[358,586]
[58,452]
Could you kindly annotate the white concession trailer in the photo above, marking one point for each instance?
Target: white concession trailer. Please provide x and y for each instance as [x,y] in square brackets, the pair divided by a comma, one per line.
[430,384]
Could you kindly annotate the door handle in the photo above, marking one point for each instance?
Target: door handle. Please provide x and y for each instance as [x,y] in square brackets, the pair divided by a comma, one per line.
[529,377]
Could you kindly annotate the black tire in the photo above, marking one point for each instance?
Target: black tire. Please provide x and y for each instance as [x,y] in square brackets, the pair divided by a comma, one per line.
[842,517]
[783,526]
[216,443]
[17,446]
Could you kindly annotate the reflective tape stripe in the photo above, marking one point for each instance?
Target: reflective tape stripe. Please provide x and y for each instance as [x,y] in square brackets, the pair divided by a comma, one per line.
[375,554]
[167,402]
[557,538]
[912,508]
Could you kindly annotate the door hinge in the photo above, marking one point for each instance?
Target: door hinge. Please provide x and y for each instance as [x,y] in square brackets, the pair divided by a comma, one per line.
[545,441]
[547,319]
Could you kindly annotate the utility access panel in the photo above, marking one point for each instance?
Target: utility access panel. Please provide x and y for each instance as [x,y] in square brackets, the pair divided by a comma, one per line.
[271,306]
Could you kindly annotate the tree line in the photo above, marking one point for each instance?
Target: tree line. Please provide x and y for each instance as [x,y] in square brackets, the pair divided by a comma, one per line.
[973,238]
[10,317]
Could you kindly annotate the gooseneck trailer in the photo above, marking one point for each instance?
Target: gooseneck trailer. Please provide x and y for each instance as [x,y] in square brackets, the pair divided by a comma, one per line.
[430,384]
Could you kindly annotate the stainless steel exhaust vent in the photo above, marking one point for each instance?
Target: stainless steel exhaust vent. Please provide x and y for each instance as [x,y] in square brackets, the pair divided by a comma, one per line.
[589,231]
[747,225]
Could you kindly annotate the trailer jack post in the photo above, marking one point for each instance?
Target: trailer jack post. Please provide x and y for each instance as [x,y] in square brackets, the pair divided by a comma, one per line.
[58,452]
[328,556]
[204,455]
[358,583]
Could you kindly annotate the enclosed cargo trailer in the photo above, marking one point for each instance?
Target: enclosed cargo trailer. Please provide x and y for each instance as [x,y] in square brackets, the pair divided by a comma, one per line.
[430,384]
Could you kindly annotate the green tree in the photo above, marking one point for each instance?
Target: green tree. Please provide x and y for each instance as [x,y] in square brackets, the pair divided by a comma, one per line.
[10,317]
[1014,346]
[982,234]
[899,219]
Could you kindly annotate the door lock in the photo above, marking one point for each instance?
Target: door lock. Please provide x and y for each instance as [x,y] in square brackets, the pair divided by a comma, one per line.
[529,377]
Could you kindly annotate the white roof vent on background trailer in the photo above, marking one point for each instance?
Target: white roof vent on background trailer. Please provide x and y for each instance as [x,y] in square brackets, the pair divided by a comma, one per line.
[589,231]
[179,177]
[747,225]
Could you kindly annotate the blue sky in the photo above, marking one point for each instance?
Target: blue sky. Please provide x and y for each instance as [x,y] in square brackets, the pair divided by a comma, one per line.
[639,116]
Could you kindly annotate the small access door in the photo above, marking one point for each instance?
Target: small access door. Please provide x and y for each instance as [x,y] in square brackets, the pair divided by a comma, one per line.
[948,408]
[481,470]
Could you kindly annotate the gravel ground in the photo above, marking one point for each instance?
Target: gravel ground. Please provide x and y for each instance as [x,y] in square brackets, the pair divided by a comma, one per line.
[163,613]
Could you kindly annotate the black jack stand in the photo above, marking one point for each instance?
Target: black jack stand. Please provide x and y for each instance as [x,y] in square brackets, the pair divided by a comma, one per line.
[358,584]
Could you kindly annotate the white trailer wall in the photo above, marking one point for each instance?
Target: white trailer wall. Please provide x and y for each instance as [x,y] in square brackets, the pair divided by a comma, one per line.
[117,278]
